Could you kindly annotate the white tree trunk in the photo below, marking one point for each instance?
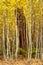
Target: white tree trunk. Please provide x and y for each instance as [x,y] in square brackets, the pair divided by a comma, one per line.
[30,35]
[37,54]
[41,44]
[7,41]
[17,38]
[3,40]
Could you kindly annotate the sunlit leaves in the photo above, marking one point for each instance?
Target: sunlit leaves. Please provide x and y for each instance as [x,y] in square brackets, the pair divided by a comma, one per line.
[25,5]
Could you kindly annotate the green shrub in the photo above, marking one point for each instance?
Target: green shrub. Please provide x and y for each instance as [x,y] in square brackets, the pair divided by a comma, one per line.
[23,52]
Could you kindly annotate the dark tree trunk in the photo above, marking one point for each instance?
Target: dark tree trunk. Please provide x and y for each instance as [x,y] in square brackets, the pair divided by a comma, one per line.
[21,23]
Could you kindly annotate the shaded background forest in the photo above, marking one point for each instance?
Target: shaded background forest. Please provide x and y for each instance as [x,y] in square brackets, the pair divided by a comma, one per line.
[21,28]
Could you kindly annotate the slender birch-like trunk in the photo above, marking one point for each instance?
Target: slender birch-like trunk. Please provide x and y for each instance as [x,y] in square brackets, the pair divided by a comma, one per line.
[4,40]
[3,37]
[17,38]
[30,35]
[8,42]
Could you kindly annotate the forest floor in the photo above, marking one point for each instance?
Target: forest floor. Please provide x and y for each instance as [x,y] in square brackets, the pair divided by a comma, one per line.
[21,61]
